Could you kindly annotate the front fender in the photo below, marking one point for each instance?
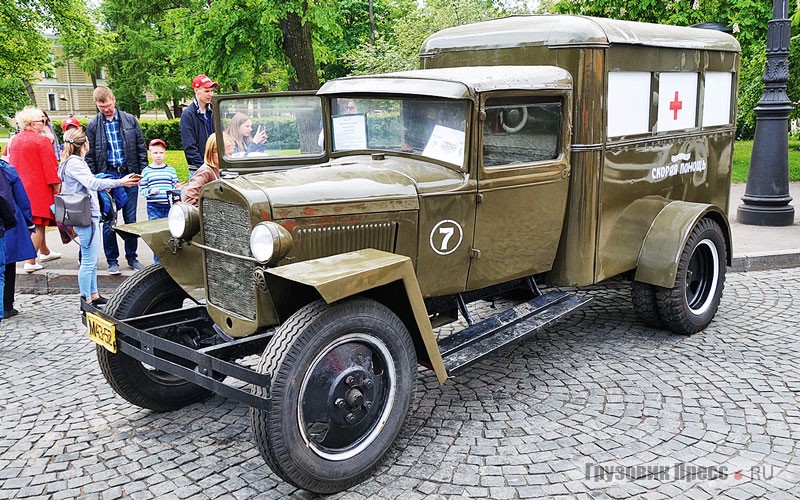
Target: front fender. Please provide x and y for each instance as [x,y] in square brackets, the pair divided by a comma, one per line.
[345,275]
[667,237]
[184,265]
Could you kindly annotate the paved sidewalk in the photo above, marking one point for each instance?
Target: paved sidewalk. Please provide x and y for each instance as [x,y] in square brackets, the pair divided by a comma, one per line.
[754,248]
[759,247]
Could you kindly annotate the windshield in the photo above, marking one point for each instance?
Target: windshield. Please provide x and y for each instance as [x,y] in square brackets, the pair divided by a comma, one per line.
[271,127]
[434,128]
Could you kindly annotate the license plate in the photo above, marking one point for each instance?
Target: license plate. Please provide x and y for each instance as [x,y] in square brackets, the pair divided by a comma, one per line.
[101,331]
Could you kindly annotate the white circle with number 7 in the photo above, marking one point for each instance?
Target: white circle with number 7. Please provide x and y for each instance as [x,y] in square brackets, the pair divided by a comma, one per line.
[446,237]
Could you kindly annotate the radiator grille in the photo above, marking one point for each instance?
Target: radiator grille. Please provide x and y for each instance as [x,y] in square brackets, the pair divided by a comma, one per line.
[226,226]
[231,286]
[230,283]
[312,243]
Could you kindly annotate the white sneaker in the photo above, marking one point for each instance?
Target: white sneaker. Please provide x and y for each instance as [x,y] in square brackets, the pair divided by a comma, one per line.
[29,268]
[51,256]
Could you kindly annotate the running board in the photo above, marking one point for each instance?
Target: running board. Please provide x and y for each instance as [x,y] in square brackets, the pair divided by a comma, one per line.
[466,347]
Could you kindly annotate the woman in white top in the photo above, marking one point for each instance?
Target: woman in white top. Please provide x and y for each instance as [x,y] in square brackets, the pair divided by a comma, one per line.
[76,178]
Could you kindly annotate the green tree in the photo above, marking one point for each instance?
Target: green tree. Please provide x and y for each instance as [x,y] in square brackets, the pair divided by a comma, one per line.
[24,49]
[398,49]
[13,97]
[246,45]
[144,53]
[355,29]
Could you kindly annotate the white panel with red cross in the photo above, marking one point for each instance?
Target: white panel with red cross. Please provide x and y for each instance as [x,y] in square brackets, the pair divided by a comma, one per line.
[677,101]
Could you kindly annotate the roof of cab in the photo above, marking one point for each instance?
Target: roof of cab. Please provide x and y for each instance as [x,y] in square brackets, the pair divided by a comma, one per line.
[568,30]
[453,83]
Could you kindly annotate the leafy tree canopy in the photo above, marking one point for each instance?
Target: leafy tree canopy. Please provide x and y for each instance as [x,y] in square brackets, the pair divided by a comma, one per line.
[24,48]
[398,49]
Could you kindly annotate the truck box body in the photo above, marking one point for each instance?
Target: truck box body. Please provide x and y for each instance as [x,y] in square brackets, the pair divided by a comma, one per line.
[653,121]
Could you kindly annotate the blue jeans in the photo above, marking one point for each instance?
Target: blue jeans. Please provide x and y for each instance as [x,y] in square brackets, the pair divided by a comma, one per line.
[3,274]
[157,211]
[110,244]
[90,251]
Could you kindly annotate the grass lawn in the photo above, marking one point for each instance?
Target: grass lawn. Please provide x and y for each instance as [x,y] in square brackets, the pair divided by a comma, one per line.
[176,160]
[742,151]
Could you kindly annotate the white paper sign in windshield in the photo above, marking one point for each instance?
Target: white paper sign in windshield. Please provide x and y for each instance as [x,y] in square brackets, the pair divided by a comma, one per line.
[349,132]
[446,144]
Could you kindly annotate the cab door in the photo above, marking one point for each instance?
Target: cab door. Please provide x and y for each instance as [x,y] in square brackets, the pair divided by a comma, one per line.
[523,175]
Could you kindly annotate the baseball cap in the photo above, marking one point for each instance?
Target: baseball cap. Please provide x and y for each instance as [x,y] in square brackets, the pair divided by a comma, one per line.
[70,122]
[203,81]
[157,141]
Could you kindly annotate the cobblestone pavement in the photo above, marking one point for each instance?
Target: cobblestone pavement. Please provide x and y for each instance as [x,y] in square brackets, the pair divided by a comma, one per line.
[664,415]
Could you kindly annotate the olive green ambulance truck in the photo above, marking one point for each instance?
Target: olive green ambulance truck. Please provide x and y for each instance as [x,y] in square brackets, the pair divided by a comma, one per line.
[528,153]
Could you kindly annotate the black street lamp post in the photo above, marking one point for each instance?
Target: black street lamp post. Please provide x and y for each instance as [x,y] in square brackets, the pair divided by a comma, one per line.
[766,197]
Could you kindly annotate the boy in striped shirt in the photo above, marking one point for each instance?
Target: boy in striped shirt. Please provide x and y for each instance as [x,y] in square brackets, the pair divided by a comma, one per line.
[157,179]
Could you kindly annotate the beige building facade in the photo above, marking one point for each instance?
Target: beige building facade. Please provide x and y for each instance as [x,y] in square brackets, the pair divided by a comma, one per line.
[66,89]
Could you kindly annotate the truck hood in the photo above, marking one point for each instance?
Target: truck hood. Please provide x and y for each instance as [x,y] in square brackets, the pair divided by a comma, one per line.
[351,185]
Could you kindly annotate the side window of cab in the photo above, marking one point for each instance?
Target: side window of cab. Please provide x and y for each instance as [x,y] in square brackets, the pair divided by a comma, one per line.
[521,130]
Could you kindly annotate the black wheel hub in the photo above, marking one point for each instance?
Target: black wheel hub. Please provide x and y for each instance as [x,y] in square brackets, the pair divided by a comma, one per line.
[700,276]
[345,396]
[350,399]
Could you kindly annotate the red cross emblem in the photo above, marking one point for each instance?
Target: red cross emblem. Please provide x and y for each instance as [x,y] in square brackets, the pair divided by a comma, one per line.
[675,106]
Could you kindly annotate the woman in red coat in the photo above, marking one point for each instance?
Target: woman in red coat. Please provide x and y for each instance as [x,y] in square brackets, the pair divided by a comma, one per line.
[36,164]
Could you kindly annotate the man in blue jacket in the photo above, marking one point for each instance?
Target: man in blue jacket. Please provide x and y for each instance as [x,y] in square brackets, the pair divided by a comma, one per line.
[116,148]
[197,121]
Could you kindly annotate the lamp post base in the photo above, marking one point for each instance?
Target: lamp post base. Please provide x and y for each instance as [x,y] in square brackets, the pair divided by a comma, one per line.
[764,215]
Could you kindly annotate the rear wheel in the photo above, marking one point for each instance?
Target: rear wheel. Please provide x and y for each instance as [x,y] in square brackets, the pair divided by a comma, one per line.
[343,380]
[147,291]
[643,297]
[691,304]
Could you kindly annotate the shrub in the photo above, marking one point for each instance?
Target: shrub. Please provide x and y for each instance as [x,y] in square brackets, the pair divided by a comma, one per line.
[167,130]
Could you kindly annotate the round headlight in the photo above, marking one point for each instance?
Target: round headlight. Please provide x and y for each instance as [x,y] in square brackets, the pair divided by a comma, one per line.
[183,221]
[269,242]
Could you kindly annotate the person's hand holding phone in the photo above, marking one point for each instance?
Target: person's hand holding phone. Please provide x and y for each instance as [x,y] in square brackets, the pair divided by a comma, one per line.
[130,180]
[261,135]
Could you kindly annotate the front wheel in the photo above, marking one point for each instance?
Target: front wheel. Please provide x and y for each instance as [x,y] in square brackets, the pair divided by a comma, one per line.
[343,379]
[691,304]
[147,291]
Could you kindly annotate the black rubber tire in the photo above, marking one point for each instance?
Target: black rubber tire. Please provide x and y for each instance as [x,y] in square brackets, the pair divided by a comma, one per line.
[147,291]
[691,304]
[643,297]
[301,345]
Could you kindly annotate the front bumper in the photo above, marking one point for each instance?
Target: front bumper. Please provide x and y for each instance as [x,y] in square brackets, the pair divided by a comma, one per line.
[206,367]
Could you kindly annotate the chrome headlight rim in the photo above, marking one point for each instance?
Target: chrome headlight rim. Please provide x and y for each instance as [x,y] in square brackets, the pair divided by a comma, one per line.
[269,242]
[183,220]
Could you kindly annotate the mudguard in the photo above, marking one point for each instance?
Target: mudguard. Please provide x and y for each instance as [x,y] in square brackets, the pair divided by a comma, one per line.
[184,265]
[667,237]
[348,274]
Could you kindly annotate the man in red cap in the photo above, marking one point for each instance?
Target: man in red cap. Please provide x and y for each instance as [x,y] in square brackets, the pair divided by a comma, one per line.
[70,122]
[197,121]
